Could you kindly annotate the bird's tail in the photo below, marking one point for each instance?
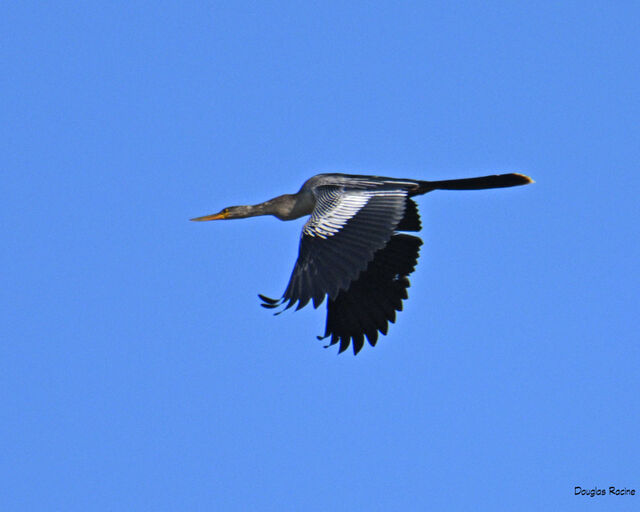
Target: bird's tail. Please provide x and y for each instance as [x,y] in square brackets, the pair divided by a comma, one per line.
[482,182]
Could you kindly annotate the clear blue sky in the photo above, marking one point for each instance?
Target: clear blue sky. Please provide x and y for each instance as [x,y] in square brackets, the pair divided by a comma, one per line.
[137,370]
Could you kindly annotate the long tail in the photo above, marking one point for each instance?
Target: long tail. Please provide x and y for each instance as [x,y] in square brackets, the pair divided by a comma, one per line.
[482,182]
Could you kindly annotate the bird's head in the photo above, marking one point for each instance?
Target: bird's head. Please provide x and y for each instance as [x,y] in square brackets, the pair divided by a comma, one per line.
[232,212]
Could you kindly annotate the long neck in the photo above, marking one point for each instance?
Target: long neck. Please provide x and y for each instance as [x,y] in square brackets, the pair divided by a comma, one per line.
[284,207]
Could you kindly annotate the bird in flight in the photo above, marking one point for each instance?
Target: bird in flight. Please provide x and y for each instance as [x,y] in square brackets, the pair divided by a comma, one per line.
[354,249]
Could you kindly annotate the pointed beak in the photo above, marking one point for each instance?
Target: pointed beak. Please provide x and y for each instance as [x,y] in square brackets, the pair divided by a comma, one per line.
[213,216]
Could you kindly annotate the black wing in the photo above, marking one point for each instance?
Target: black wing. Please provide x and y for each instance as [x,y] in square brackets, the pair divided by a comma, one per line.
[373,299]
[346,229]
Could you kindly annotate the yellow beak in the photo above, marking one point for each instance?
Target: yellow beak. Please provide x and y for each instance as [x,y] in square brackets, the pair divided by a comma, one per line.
[214,216]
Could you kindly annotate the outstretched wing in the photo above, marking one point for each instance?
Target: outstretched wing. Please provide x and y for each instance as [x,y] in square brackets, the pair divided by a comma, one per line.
[345,230]
[371,301]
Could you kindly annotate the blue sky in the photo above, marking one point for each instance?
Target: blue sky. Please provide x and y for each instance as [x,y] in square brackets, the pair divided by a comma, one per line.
[137,370]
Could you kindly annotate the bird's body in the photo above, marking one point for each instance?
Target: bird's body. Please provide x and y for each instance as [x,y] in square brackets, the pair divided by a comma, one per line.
[352,249]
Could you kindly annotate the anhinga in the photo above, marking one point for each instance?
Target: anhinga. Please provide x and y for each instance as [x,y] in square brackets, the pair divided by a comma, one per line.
[351,248]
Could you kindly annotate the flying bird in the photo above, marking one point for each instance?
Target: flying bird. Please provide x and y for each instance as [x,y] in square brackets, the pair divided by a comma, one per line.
[353,248]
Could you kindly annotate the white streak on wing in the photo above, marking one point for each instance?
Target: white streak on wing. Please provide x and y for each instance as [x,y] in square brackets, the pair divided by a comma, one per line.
[333,210]
[336,206]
